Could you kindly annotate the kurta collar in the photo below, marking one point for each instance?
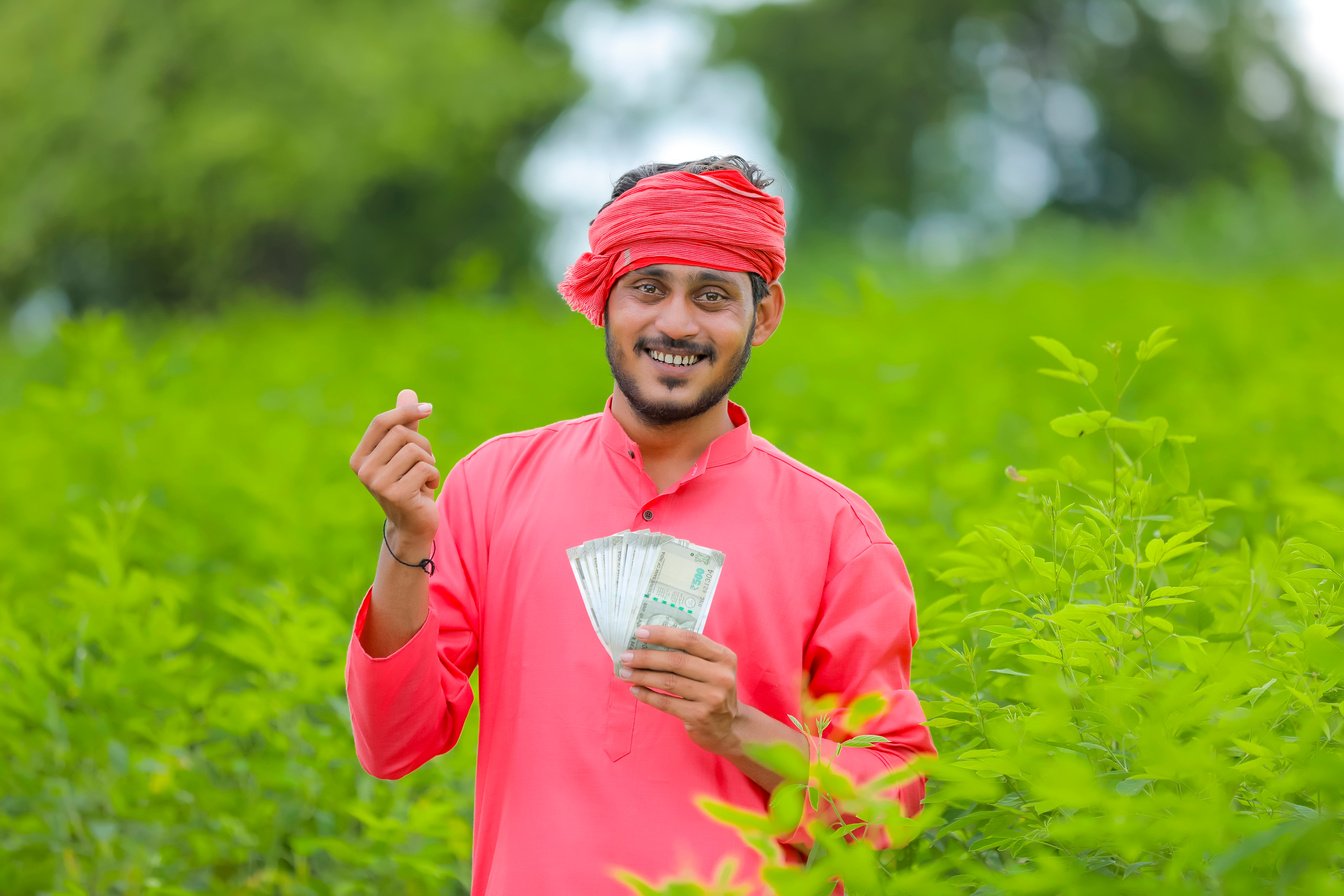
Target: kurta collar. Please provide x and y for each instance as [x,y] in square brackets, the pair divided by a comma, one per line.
[727,448]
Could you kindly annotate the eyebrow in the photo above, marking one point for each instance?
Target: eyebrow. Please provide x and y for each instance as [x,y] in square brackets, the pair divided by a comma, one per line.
[708,276]
[703,275]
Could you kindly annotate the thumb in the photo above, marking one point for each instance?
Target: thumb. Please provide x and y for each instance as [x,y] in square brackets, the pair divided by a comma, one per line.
[406,399]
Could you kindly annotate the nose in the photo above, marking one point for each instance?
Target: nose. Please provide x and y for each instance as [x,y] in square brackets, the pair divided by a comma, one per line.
[676,316]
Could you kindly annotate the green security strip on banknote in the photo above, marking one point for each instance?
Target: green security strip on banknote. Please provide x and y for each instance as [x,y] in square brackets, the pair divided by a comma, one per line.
[631,579]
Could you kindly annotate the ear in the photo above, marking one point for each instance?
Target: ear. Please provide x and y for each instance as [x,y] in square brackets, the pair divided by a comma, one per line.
[768,314]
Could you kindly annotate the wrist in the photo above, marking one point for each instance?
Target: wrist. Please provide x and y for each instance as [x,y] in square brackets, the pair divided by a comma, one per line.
[407,548]
[743,730]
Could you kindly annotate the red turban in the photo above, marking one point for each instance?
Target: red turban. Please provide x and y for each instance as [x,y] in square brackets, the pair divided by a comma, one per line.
[717,219]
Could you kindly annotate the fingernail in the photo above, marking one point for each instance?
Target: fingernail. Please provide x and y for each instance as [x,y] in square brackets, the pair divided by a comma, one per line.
[641,633]
[426,407]
[626,673]
[628,656]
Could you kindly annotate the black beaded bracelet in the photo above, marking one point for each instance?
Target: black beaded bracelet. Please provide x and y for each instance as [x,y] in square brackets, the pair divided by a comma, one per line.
[426,564]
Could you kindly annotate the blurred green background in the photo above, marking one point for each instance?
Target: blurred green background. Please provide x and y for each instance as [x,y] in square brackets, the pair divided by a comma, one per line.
[229,235]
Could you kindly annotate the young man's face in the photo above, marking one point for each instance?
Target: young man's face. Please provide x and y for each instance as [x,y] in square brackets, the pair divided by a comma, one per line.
[678,337]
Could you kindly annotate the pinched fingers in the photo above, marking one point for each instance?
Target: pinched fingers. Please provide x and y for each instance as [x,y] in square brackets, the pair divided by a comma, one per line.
[406,472]
[393,443]
[406,417]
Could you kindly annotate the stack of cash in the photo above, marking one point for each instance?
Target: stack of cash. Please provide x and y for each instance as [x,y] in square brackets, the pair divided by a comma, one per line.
[640,578]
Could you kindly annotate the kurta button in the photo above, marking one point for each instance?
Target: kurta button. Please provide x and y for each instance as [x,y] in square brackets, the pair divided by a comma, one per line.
[632,453]
[648,515]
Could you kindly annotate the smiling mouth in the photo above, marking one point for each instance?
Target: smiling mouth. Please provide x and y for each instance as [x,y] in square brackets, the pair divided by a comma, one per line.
[674,359]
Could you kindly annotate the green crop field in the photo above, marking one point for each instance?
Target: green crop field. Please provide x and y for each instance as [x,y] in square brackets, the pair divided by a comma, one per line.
[1130,642]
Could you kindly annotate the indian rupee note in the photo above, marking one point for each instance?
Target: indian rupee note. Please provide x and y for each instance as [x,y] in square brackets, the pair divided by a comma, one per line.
[679,590]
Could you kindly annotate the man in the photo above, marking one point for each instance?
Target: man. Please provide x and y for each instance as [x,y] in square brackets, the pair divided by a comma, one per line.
[579,771]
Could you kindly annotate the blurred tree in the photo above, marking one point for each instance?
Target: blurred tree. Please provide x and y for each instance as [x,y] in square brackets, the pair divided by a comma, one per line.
[999,108]
[168,152]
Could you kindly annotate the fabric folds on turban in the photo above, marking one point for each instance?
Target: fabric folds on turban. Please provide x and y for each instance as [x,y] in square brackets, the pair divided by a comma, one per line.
[717,219]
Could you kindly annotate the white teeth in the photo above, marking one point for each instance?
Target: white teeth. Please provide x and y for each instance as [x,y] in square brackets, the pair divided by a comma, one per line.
[678,360]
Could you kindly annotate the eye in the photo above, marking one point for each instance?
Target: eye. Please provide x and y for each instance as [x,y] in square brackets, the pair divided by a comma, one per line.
[713,298]
[647,288]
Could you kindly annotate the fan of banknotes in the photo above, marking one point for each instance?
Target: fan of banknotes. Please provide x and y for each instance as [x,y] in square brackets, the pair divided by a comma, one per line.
[640,578]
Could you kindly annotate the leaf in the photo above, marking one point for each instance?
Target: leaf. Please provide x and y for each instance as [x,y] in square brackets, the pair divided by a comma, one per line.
[1173,466]
[742,819]
[1251,748]
[1309,552]
[1261,840]
[1067,375]
[945,722]
[864,740]
[1180,550]
[786,808]
[1057,349]
[1158,551]
[1120,423]
[1153,344]
[1182,537]
[833,781]
[1170,590]
[1131,786]
[1079,425]
[784,759]
[1086,371]
[1256,692]
[1099,515]
[1156,350]
[866,708]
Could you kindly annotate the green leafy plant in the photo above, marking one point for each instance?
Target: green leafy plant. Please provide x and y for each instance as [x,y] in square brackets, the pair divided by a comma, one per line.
[184,548]
[1127,698]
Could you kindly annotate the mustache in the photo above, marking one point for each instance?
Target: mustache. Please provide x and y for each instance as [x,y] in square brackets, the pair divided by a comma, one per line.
[674,345]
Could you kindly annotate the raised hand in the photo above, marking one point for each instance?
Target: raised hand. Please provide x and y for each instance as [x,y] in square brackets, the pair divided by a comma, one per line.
[397,466]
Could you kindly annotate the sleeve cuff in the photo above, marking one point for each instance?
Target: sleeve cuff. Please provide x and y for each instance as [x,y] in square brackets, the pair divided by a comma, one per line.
[408,661]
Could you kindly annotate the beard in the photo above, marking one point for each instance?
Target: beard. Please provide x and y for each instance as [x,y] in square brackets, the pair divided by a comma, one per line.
[666,411]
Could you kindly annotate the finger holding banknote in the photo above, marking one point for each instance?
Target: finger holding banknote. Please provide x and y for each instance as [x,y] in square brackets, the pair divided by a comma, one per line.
[703,676]
[699,680]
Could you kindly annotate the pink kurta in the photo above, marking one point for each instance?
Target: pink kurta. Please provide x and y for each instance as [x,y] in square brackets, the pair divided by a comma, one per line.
[574,776]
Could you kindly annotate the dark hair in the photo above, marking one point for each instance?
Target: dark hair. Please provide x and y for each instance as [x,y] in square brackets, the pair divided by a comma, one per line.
[750,170]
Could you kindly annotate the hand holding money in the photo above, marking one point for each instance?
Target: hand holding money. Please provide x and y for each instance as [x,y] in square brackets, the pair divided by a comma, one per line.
[634,579]
[697,679]
[648,596]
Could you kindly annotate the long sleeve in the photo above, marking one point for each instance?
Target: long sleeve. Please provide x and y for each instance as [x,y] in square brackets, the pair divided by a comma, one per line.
[864,637]
[408,707]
